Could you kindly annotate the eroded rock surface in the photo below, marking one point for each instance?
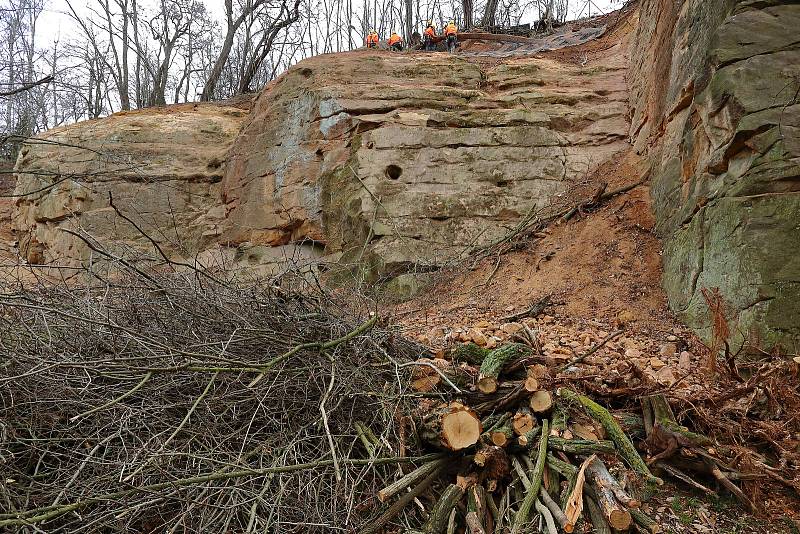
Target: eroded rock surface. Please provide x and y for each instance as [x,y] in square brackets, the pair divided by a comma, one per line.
[714,93]
[162,166]
[399,162]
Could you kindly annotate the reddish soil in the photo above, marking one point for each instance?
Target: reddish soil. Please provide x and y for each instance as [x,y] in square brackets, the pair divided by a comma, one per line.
[595,267]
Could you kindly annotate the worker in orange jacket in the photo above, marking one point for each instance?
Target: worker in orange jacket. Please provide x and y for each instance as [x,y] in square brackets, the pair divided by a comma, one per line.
[451,33]
[428,37]
[395,42]
[372,39]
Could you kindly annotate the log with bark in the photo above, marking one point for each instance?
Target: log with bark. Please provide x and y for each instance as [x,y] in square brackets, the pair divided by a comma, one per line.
[581,446]
[538,454]
[470,353]
[451,426]
[477,510]
[605,490]
[623,443]
[495,361]
[440,513]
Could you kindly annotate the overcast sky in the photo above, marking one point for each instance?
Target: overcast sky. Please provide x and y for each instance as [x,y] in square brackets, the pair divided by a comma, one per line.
[56,24]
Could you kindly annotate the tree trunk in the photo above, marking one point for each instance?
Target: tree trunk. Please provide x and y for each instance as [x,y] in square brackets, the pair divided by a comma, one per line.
[265,45]
[227,45]
[409,19]
[467,7]
[488,14]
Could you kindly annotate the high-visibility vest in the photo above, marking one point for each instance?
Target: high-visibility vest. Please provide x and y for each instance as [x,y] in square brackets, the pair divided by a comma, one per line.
[451,29]
[372,38]
[394,38]
[430,31]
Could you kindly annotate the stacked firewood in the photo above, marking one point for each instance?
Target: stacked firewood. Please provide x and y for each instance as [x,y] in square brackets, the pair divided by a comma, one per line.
[518,452]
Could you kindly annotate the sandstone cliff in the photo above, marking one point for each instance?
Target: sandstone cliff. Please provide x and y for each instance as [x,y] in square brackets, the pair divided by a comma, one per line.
[714,98]
[396,162]
[393,163]
[163,167]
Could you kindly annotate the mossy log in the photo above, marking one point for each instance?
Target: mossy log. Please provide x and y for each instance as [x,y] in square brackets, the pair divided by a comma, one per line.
[624,445]
[565,469]
[523,514]
[581,446]
[645,523]
[440,513]
[632,424]
[452,427]
[495,361]
[664,416]
[470,353]
[559,419]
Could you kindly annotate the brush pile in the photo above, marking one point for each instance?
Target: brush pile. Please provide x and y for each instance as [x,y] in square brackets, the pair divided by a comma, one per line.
[182,402]
[523,454]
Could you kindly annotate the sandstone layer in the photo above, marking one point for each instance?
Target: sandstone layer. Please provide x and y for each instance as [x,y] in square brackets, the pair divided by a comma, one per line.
[402,162]
[714,95]
[162,168]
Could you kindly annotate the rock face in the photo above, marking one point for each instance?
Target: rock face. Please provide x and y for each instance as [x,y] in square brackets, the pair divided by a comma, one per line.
[714,96]
[398,163]
[162,166]
[386,163]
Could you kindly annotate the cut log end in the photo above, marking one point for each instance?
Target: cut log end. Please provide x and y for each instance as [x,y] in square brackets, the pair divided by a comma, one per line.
[523,423]
[487,384]
[620,519]
[541,401]
[499,439]
[460,429]
[531,384]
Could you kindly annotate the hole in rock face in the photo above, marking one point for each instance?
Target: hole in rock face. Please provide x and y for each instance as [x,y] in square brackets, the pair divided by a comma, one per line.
[306,72]
[393,172]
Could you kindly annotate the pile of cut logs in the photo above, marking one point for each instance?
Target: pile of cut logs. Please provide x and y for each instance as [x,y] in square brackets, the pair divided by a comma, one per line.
[518,453]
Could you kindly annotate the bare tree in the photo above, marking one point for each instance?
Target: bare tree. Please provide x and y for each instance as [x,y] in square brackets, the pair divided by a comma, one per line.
[246,10]
[287,15]
[467,9]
